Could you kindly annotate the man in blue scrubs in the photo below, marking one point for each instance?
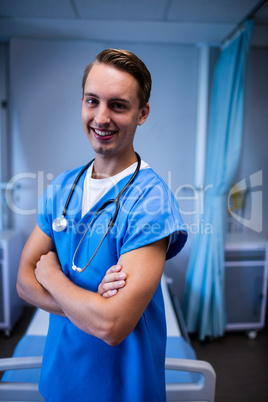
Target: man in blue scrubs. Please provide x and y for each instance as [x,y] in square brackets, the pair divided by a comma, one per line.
[103,348]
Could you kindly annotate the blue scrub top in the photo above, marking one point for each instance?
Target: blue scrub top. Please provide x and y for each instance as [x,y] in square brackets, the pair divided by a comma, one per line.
[76,365]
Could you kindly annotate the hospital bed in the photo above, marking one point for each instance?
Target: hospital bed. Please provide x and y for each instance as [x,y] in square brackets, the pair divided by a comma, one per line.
[187,379]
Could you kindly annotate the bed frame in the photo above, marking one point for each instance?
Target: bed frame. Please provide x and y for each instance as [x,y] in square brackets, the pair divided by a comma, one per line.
[187,379]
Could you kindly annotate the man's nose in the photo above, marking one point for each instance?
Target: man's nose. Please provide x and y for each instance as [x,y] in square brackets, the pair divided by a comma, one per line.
[102,115]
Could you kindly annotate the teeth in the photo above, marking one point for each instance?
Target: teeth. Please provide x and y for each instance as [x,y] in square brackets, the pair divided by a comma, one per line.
[103,133]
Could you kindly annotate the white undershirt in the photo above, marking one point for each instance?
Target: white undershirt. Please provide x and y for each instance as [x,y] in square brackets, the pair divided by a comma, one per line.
[95,189]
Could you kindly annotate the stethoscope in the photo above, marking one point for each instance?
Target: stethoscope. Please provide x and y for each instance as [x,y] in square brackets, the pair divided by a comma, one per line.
[59,224]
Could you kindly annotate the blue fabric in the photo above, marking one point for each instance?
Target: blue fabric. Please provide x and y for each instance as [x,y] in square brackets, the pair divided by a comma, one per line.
[204,304]
[78,366]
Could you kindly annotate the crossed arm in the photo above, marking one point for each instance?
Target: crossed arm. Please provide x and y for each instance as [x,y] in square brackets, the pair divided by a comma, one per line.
[42,283]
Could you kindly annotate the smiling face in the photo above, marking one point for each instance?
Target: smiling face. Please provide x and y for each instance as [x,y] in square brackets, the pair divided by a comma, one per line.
[111,112]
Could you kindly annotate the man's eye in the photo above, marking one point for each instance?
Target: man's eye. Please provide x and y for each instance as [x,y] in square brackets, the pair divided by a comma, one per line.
[119,106]
[92,101]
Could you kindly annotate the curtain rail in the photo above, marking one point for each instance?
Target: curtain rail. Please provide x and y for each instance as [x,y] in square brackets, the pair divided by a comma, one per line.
[241,25]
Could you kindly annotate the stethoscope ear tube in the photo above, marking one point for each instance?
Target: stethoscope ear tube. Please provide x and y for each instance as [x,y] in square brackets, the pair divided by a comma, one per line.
[113,219]
[74,187]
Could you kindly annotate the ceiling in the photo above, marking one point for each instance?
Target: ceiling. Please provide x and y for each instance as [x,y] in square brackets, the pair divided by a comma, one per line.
[160,21]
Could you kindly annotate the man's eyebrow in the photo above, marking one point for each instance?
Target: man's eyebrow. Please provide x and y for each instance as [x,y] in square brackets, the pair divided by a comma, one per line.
[119,100]
[124,100]
[90,94]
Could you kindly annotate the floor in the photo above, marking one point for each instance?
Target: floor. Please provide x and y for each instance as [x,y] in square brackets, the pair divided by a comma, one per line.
[241,364]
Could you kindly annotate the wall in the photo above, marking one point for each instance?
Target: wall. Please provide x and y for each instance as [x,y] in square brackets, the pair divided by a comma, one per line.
[46,129]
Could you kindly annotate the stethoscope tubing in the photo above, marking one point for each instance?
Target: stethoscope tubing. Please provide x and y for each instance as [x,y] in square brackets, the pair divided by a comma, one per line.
[102,207]
[74,267]
[74,187]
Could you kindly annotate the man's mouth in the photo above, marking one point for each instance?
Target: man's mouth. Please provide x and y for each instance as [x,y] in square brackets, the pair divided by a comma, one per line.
[104,133]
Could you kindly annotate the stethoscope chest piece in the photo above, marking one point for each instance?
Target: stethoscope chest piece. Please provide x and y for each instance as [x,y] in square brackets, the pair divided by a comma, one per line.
[59,224]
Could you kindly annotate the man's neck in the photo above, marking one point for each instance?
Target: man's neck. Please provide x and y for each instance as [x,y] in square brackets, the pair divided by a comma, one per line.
[105,166]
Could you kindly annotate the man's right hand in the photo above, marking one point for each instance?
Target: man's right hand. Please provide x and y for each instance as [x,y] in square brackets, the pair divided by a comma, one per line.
[114,280]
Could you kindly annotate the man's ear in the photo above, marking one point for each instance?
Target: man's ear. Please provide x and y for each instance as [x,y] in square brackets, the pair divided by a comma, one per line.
[144,112]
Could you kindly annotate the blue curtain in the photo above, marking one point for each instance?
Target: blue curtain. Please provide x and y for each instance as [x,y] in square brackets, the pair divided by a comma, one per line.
[204,301]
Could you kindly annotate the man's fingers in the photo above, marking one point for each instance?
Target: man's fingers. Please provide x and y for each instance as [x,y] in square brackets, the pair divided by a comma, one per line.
[110,289]
[113,278]
[113,285]
[110,293]
[114,269]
